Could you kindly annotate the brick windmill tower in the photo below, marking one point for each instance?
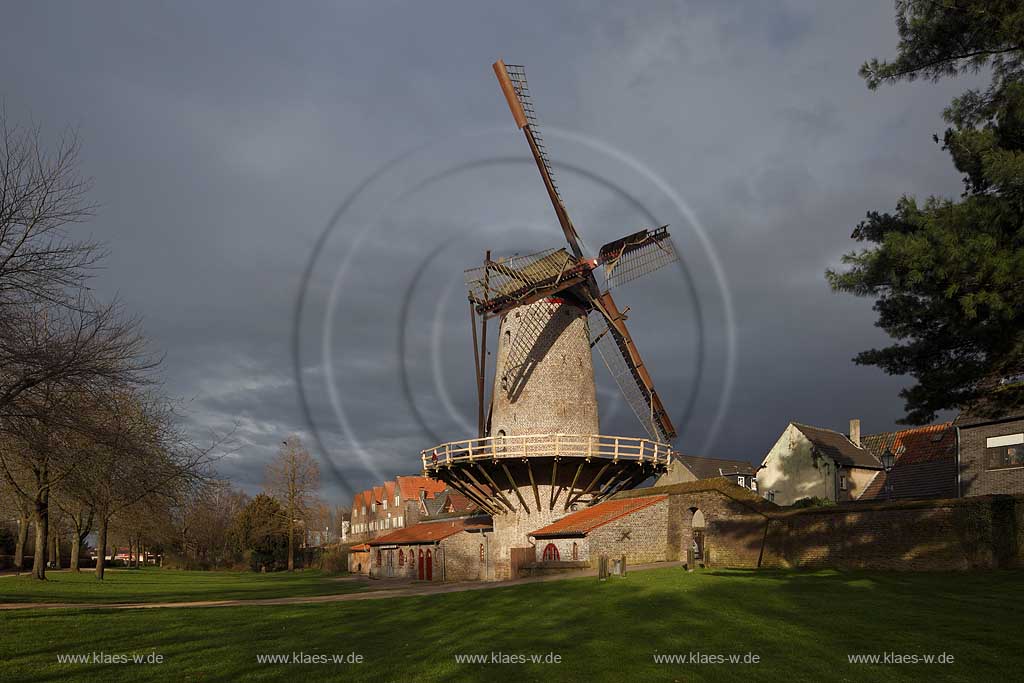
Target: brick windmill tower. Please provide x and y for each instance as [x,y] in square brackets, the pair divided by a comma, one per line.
[540,453]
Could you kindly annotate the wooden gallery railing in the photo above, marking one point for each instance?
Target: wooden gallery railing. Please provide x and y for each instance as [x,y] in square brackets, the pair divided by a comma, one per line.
[614,448]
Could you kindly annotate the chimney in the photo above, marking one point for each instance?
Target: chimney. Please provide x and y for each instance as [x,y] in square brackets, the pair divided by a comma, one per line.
[855,432]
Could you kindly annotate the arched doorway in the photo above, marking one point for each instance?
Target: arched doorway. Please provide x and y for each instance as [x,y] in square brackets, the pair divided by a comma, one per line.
[550,553]
[419,574]
[697,534]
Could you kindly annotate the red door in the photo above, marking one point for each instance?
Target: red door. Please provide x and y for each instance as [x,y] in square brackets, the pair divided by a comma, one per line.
[421,566]
[430,567]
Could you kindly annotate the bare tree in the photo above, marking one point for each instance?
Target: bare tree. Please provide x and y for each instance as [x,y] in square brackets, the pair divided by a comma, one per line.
[293,479]
[148,457]
[41,193]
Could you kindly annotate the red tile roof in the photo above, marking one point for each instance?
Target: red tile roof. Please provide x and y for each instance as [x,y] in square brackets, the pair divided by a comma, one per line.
[920,444]
[362,547]
[378,494]
[429,532]
[410,487]
[924,466]
[586,520]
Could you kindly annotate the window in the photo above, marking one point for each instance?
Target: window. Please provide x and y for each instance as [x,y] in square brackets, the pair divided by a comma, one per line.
[550,553]
[842,482]
[741,480]
[398,500]
[378,558]
[401,557]
[771,496]
[481,552]
[385,503]
[575,551]
[399,520]
[753,484]
[374,507]
[1004,457]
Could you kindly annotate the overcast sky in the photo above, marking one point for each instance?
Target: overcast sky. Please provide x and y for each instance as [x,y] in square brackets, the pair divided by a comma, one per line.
[236,148]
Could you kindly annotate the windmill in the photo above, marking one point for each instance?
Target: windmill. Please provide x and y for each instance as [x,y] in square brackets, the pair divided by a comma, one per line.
[540,433]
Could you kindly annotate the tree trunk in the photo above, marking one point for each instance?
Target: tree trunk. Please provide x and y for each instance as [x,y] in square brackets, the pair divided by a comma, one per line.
[76,547]
[56,546]
[101,547]
[291,544]
[19,548]
[41,517]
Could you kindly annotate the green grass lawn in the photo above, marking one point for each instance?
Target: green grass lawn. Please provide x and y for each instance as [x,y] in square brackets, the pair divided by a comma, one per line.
[802,626]
[166,585]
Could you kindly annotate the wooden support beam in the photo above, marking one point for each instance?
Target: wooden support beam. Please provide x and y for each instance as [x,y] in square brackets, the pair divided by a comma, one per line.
[554,476]
[591,485]
[533,482]
[497,490]
[489,497]
[459,486]
[558,492]
[515,488]
[572,486]
[477,494]
[479,369]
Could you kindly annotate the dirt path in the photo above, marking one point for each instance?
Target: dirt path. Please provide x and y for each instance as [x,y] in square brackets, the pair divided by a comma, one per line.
[400,589]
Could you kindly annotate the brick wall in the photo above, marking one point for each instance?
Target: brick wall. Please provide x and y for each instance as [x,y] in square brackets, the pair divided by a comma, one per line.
[460,556]
[953,534]
[732,531]
[975,477]
[641,536]
[565,546]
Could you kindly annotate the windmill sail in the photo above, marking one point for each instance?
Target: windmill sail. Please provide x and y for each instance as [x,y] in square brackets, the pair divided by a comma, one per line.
[620,356]
[636,255]
[512,79]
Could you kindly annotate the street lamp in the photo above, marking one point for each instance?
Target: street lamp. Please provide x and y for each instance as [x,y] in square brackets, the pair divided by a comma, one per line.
[888,460]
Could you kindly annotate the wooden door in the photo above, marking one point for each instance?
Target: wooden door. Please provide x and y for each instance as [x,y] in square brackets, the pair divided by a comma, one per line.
[420,573]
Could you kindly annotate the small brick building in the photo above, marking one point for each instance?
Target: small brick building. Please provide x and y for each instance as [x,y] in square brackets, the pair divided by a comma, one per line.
[991,454]
[456,549]
[631,527]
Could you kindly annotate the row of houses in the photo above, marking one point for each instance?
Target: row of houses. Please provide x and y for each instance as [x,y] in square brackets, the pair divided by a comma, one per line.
[972,455]
[402,503]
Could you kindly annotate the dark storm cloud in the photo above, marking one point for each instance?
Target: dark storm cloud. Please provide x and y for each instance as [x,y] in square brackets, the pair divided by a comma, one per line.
[223,137]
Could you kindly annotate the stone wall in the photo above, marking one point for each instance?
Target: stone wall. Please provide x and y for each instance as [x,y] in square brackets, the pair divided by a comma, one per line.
[641,536]
[463,558]
[741,531]
[975,477]
[565,548]
[550,389]
[513,530]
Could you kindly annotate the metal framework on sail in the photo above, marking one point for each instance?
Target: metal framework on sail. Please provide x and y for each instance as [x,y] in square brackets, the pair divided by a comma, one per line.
[636,255]
[517,74]
[614,355]
[505,283]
